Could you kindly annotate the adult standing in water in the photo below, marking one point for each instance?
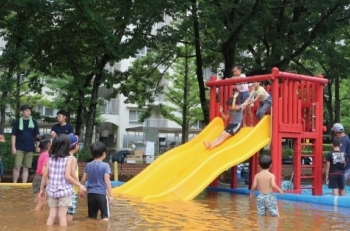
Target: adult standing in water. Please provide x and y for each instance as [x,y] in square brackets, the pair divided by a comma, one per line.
[24,132]
[62,127]
[339,131]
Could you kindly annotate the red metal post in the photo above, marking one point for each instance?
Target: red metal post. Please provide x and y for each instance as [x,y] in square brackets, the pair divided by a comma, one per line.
[318,147]
[213,110]
[275,138]
[297,164]
[233,183]
[212,100]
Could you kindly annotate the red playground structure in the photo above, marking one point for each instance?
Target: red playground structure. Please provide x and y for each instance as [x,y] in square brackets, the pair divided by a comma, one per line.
[297,114]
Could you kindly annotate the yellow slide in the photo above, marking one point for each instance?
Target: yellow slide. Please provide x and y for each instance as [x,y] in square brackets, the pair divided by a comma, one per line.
[182,173]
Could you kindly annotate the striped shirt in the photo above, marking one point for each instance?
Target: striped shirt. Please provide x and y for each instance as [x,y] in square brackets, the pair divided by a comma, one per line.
[58,186]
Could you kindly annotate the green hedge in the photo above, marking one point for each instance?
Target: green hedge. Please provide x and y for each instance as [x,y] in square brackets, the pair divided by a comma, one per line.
[305,150]
[8,160]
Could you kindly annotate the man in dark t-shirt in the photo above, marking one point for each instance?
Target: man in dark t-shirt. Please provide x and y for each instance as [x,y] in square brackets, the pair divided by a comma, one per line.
[24,133]
[335,168]
[339,131]
[62,127]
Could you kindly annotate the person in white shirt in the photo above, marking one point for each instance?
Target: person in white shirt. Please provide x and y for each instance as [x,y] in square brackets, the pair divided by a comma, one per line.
[243,94]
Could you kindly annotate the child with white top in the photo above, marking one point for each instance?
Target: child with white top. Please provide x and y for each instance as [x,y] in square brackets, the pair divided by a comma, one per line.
[243,94]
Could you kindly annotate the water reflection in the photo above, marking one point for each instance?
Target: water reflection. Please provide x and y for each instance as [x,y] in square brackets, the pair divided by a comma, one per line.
[209,211]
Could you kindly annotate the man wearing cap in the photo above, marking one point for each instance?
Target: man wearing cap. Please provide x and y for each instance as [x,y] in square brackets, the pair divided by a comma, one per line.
[62,127]
[24,132]
[338,129]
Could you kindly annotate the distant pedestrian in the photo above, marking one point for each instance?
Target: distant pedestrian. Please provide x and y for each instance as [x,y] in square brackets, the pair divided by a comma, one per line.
[24,133]
[335,168]
[339,131]
[62,127]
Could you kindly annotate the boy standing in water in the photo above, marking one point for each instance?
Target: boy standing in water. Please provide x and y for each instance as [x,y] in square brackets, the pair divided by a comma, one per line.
[265,182]
[235,111]
[97,173]
[335,168]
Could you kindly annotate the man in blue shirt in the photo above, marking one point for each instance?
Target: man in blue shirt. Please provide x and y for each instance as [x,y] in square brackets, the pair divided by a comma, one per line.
[345,146]
[62,127]
[24,133]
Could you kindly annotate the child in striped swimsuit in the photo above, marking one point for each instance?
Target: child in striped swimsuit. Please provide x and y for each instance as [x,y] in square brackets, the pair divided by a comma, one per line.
[59,180]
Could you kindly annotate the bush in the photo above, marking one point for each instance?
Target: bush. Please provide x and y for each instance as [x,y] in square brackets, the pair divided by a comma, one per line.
[8,160]
[305,150]
[84,156]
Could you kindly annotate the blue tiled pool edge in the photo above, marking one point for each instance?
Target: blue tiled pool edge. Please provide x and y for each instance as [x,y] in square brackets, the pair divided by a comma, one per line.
[325,200]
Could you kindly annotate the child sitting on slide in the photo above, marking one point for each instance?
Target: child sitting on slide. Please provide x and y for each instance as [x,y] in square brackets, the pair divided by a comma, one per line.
[236,113]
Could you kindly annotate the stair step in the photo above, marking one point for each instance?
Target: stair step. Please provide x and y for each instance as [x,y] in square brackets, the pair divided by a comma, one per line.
[308,188]
[307,144]
[307,155]
[307,166]
[307,177]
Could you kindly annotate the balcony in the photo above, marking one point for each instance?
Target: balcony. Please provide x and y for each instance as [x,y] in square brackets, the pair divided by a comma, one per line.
[111,107]
[156,123]
[197,125]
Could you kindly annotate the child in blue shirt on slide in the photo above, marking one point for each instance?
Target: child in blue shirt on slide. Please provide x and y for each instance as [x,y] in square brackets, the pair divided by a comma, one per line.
[236,113]
[97,173]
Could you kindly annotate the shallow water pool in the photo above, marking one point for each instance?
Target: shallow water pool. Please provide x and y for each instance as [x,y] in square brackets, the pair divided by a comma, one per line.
[209,211]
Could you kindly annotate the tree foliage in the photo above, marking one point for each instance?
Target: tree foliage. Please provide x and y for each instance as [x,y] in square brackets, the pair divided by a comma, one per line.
[182,94]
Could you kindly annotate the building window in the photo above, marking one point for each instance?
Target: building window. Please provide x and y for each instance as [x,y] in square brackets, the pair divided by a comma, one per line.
[134,116]
[141,53]
[42,80]
[22,78]
[46,111]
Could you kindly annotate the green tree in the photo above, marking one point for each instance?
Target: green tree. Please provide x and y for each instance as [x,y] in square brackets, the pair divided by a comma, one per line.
[18,26]
[264,34]
[182,92]
[330,60]
[88,36]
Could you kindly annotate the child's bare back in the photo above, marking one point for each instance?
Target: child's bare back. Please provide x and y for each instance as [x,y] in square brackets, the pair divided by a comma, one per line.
[265,181]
